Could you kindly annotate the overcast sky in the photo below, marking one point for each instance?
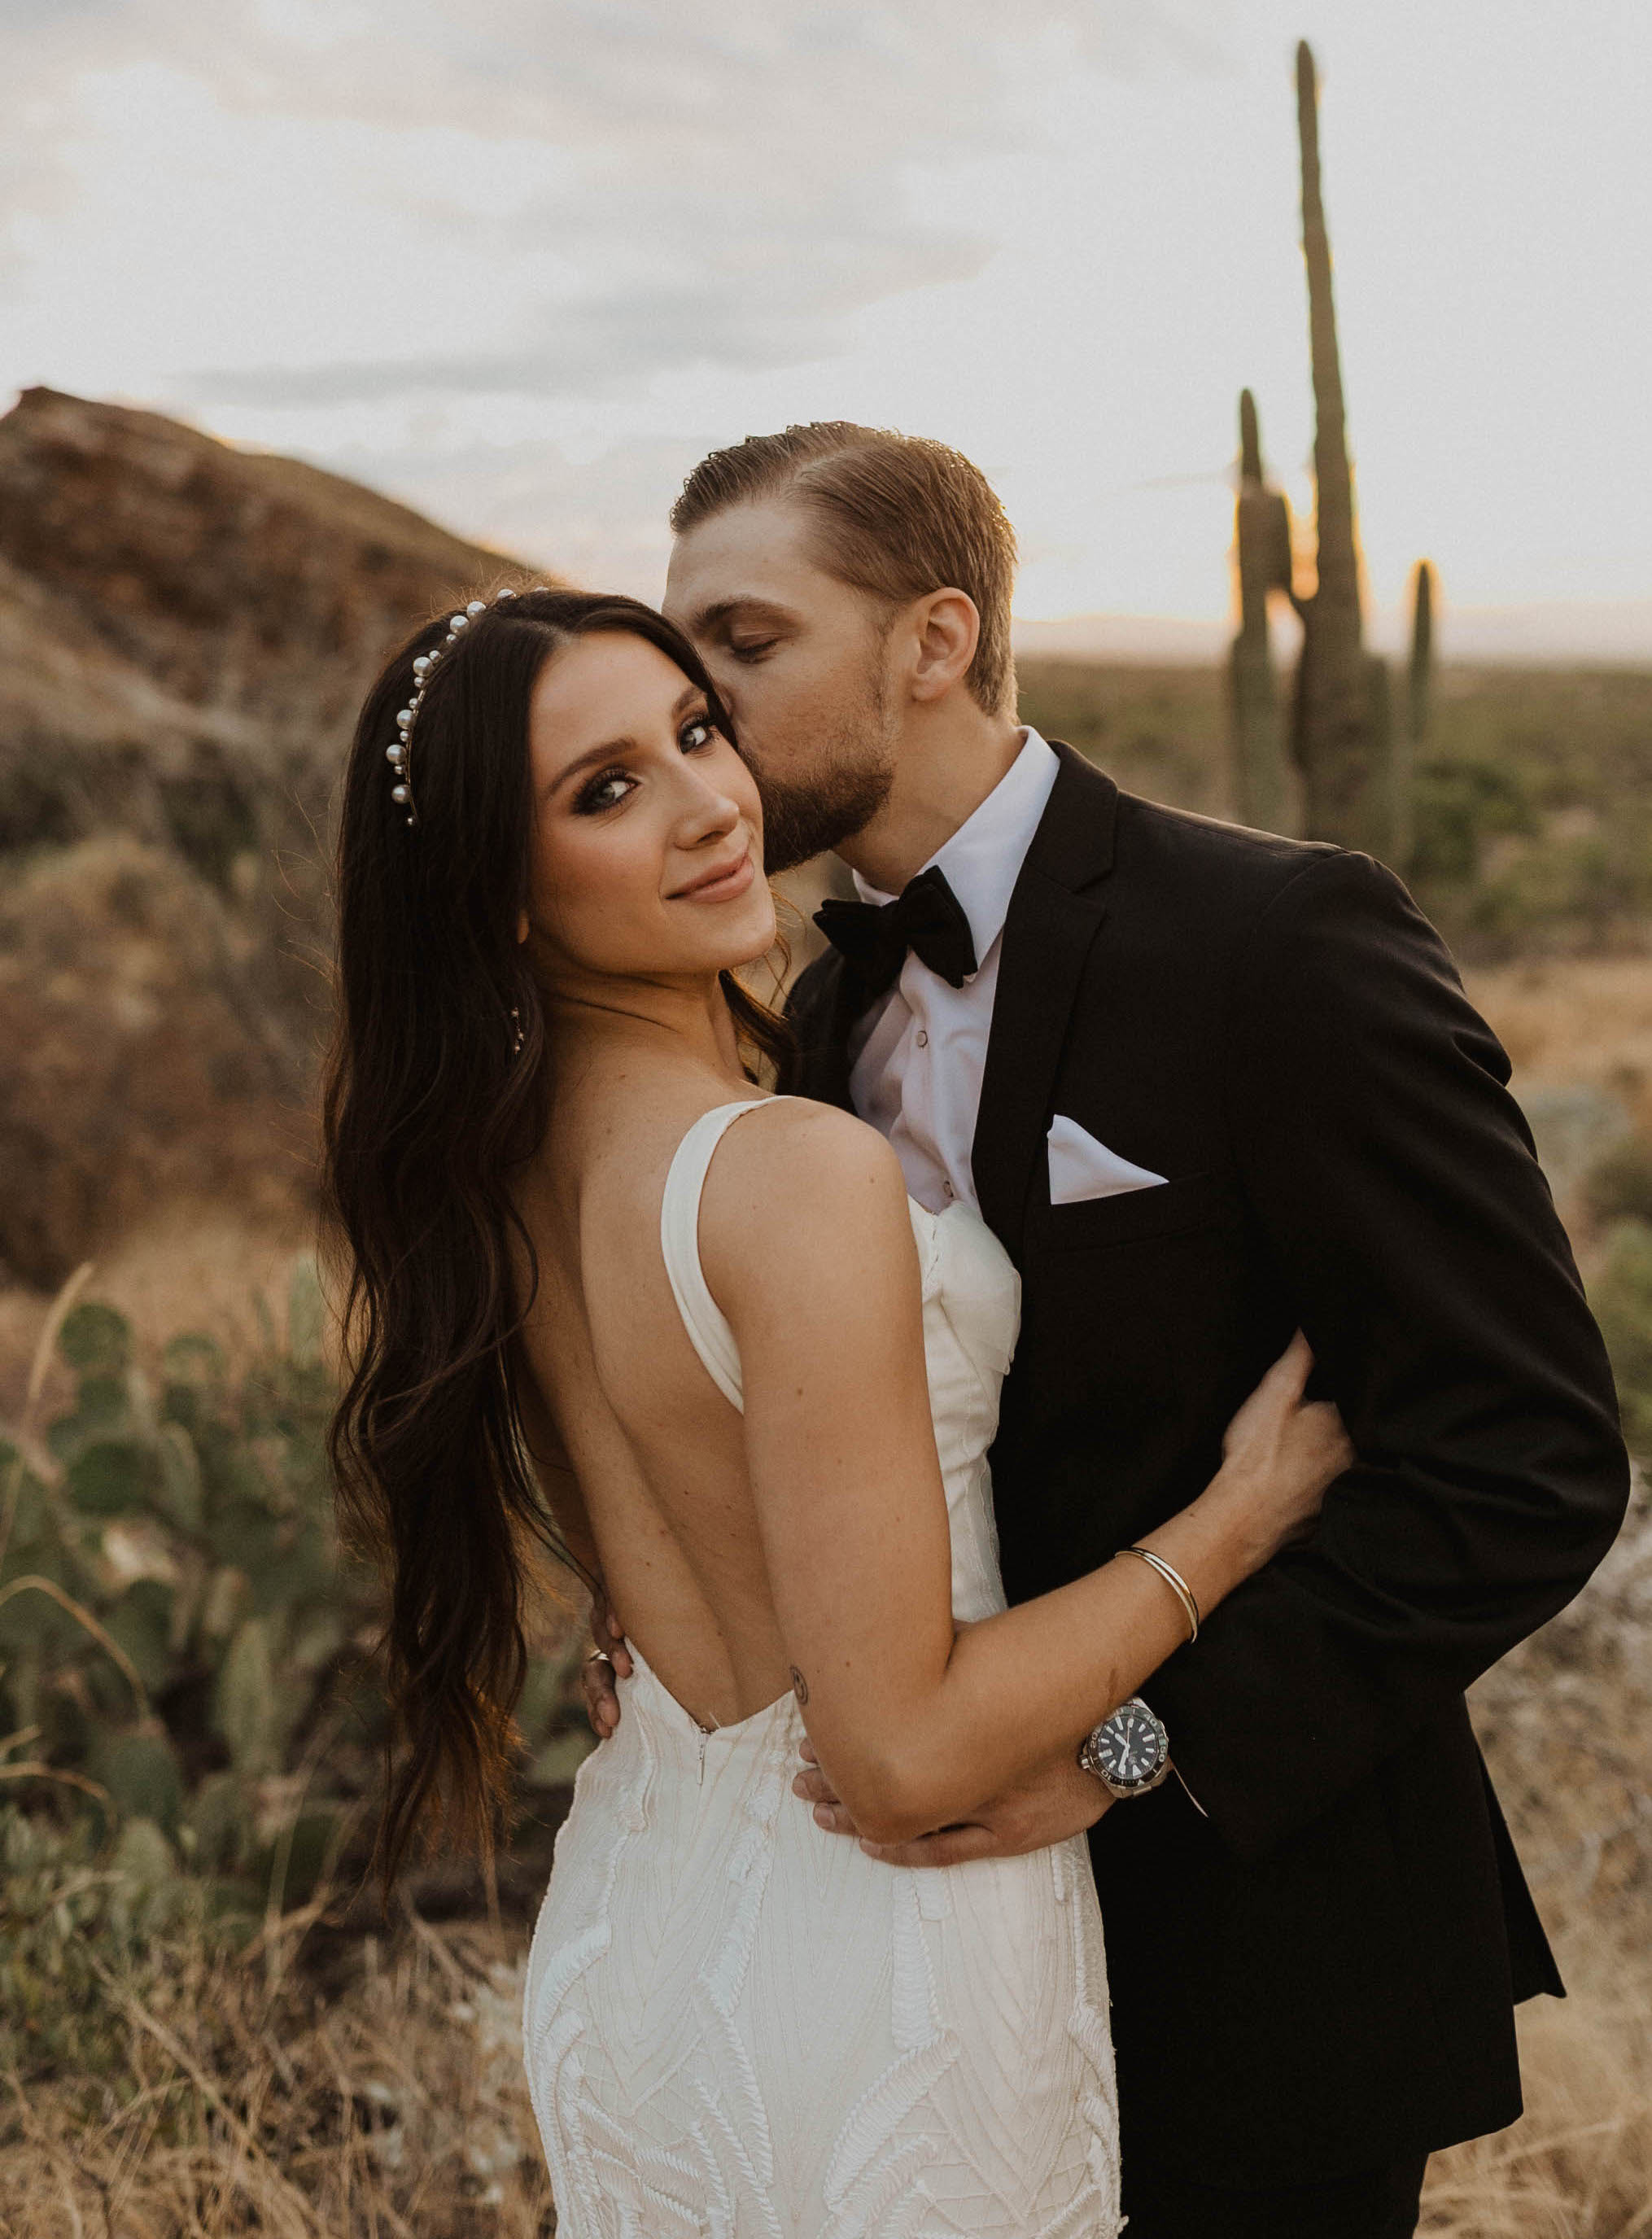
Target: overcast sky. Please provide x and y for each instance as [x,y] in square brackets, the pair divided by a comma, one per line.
[521,263]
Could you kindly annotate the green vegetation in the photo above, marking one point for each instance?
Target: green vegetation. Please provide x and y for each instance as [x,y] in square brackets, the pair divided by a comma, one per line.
[1532,793]
[191,1731]
[1622,1297]
[1264,787]
[176,1625]
[1338,742]
[1420,672]
[1352,776]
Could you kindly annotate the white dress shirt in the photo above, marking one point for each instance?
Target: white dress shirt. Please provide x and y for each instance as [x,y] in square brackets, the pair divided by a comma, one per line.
[917,1057]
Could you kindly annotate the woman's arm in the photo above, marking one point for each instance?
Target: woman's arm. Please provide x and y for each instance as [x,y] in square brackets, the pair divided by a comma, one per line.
[807,1245]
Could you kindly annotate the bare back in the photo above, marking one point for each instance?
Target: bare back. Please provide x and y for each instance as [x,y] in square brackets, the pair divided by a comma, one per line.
[656,1450]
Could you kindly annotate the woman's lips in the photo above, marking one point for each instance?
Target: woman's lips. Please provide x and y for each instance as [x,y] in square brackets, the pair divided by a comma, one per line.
[721,886]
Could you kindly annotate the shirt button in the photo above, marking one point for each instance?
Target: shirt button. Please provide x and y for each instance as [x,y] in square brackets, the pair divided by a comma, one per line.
[947,1186]
[923,1039]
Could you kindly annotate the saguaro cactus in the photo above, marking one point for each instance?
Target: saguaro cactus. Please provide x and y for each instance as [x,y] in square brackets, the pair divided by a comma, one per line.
[1264,793]
[1421,675]
[1338,734]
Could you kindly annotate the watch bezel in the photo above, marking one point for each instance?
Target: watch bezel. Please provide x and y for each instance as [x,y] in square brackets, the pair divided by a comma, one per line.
[1089,1755]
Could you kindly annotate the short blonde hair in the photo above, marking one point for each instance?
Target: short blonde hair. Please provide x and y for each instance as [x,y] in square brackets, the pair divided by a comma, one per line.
[897,515]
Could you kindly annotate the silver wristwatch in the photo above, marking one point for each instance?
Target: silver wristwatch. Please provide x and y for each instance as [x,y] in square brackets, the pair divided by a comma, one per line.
[1129,1752]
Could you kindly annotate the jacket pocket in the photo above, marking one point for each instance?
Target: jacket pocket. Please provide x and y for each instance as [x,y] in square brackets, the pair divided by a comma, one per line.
[1172,1208]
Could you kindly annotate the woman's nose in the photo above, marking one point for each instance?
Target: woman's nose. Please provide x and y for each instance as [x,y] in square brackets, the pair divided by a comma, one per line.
[710,811]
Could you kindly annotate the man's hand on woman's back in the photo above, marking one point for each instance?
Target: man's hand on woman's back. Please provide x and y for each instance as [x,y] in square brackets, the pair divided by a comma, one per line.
[609,1661]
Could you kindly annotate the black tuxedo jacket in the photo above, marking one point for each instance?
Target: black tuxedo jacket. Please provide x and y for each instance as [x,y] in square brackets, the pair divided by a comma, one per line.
[1320,1974]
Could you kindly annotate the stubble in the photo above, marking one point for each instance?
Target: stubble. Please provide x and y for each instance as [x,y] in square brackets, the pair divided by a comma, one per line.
[849,780]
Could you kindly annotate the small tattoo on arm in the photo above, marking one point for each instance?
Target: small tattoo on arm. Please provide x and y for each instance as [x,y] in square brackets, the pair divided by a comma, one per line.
[799,1685]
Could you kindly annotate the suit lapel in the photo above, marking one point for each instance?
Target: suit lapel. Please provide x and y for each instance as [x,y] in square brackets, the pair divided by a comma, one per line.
[1055,911]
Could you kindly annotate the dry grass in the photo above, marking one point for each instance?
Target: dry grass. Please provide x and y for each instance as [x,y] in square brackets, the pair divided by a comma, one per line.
[1567,1725]
[1574,1020]
[259,2098]
[328,2083]
[1578,2165]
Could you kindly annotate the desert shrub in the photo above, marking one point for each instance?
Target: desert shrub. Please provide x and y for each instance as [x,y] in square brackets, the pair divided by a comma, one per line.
[1457,808]
[1619,1186]
[1620,1295]
[1584,887]
[1532,797]
[234,2100]
[76,1911]
[187,1674]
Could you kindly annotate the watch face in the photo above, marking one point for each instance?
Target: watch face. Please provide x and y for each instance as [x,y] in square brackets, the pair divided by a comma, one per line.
[1128,1745]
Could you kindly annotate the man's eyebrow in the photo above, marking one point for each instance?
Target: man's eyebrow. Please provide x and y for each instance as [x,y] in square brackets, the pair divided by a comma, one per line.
[745,602]
[612,749]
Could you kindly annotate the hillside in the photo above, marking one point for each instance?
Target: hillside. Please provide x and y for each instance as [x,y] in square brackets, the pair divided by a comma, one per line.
[185,633]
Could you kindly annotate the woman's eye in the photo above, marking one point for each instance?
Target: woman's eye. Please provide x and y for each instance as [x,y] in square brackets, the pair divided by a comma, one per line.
[605,792]
[699,731]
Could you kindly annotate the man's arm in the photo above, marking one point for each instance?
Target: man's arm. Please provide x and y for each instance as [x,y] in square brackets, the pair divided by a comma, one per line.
[1393,1178]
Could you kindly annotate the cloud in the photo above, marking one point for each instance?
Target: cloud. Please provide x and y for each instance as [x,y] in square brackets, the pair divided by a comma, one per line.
[588,347]
[639,185]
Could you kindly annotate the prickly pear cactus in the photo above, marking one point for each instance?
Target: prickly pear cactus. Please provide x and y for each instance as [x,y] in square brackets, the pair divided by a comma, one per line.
[185,1653]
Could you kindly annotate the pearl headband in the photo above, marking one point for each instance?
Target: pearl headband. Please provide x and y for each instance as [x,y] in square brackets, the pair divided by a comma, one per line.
[396,753]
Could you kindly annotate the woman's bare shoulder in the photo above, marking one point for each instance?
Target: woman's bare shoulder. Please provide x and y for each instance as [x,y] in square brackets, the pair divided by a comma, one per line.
[799,1183]
[788,1142]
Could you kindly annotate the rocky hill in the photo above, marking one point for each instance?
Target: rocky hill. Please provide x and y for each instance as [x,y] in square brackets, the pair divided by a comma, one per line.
[186,631]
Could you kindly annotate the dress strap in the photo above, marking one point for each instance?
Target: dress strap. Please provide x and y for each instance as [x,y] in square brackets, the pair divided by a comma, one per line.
[708,1327]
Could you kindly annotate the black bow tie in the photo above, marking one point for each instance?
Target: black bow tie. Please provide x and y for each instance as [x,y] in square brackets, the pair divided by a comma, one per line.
[927,918]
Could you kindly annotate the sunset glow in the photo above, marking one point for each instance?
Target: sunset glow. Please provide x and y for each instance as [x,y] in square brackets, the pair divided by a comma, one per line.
[520,264]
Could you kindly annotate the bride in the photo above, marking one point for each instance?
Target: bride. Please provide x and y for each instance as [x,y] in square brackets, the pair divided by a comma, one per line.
[608,1296]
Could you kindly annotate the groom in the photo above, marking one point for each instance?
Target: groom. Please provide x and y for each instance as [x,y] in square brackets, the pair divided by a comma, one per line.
[1207,1085]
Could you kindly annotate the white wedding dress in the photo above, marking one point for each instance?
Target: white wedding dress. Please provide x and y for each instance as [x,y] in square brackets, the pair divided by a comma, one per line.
[739,2026]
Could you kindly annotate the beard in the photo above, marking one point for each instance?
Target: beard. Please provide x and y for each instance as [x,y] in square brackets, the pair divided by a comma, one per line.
[801,820]
[803,817]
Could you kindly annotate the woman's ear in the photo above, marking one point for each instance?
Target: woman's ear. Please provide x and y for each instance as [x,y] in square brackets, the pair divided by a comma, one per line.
[949,629]
[521,928]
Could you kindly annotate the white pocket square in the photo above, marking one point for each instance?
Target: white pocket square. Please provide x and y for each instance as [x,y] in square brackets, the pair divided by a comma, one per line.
[1081,1168]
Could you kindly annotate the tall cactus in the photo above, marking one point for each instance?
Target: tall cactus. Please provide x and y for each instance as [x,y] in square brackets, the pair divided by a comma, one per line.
[1264,793]
[1338,730]
[1421,674]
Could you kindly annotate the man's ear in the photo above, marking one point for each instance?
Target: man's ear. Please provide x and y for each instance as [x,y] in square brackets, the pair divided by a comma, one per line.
[521,928]
[948,628]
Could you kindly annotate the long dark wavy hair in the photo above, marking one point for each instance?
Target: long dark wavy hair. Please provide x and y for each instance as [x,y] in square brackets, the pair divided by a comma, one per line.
[436,1087]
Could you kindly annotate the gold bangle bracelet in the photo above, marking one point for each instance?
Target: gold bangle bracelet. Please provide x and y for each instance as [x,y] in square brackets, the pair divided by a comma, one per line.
[1176,1584]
